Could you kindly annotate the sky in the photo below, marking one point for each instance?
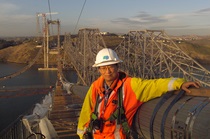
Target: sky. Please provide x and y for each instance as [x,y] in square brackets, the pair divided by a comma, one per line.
[175,17]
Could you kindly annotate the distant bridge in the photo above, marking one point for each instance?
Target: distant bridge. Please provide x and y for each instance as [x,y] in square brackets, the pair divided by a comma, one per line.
[147,54]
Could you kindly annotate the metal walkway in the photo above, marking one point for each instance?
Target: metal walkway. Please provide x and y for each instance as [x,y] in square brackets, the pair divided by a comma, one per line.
[65,113]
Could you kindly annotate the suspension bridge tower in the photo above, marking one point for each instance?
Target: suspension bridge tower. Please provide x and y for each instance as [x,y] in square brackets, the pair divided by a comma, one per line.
[46,38]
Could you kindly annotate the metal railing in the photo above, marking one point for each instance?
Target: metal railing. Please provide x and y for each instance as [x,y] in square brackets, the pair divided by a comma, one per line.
[17,130]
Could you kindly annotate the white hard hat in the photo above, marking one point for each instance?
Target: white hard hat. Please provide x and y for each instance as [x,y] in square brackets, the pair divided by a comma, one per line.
[106,56]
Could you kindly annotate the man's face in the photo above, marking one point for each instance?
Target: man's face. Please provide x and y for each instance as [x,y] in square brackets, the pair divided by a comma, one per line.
[109,72]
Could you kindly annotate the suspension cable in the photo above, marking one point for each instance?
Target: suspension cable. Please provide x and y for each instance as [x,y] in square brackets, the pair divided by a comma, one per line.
[79,16]
[49,7]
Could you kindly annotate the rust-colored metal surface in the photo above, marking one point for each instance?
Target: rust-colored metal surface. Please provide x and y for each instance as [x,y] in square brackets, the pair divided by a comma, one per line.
[65,113]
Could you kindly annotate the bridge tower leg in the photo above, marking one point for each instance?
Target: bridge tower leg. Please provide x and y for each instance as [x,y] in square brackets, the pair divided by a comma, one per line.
[46,41]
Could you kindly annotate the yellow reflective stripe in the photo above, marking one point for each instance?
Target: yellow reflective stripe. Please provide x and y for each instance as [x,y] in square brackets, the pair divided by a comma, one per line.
[80,133]
[170,84]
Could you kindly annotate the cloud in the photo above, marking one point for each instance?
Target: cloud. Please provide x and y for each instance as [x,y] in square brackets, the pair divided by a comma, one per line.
[147,18]
[9,12]
[175,27]
[125,21]
[203,11]
[173,20]
[142,18]
[13,22]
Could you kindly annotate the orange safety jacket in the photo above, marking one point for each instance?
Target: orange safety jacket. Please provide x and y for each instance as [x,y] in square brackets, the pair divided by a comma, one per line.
[135,91]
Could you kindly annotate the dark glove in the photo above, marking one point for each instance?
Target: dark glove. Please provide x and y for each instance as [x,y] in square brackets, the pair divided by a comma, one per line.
[87,135]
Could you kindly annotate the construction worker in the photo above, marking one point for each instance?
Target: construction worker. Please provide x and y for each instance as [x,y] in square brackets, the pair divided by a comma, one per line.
[101,116]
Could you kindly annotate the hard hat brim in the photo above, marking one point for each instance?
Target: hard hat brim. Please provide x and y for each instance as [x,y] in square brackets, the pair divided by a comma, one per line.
[106,63]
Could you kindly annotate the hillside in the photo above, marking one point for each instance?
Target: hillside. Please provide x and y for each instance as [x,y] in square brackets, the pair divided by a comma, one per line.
[23,53]
[199,50]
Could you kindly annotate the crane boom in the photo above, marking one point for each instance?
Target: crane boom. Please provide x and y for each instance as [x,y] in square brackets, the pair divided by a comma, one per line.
[44,14]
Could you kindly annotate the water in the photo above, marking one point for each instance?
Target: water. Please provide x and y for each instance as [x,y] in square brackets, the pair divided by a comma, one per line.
[12,107]
[28,78]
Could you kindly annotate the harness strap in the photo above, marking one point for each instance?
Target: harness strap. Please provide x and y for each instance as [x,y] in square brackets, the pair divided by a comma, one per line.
[119,114]
[120,105]
[93,116]
[96,106]
[113,116]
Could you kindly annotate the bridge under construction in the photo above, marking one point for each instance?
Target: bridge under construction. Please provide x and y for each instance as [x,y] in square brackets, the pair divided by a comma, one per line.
[147,54]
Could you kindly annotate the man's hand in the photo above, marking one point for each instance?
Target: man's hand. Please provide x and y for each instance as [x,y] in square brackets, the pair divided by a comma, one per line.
[186,85]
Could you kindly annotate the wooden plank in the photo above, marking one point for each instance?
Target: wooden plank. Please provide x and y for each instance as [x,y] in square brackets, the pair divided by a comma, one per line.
[64,114]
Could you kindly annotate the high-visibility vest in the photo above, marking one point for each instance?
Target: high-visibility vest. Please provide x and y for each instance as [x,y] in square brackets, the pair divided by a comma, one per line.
[118,115]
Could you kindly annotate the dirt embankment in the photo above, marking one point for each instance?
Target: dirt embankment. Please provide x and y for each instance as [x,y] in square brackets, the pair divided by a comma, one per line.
[23,53]
[199,50]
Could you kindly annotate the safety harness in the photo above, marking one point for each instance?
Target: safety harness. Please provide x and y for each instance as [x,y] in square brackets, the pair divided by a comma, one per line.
[119,115]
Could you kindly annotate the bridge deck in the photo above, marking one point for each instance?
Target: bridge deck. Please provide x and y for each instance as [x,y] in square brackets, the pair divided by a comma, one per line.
[65,113]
